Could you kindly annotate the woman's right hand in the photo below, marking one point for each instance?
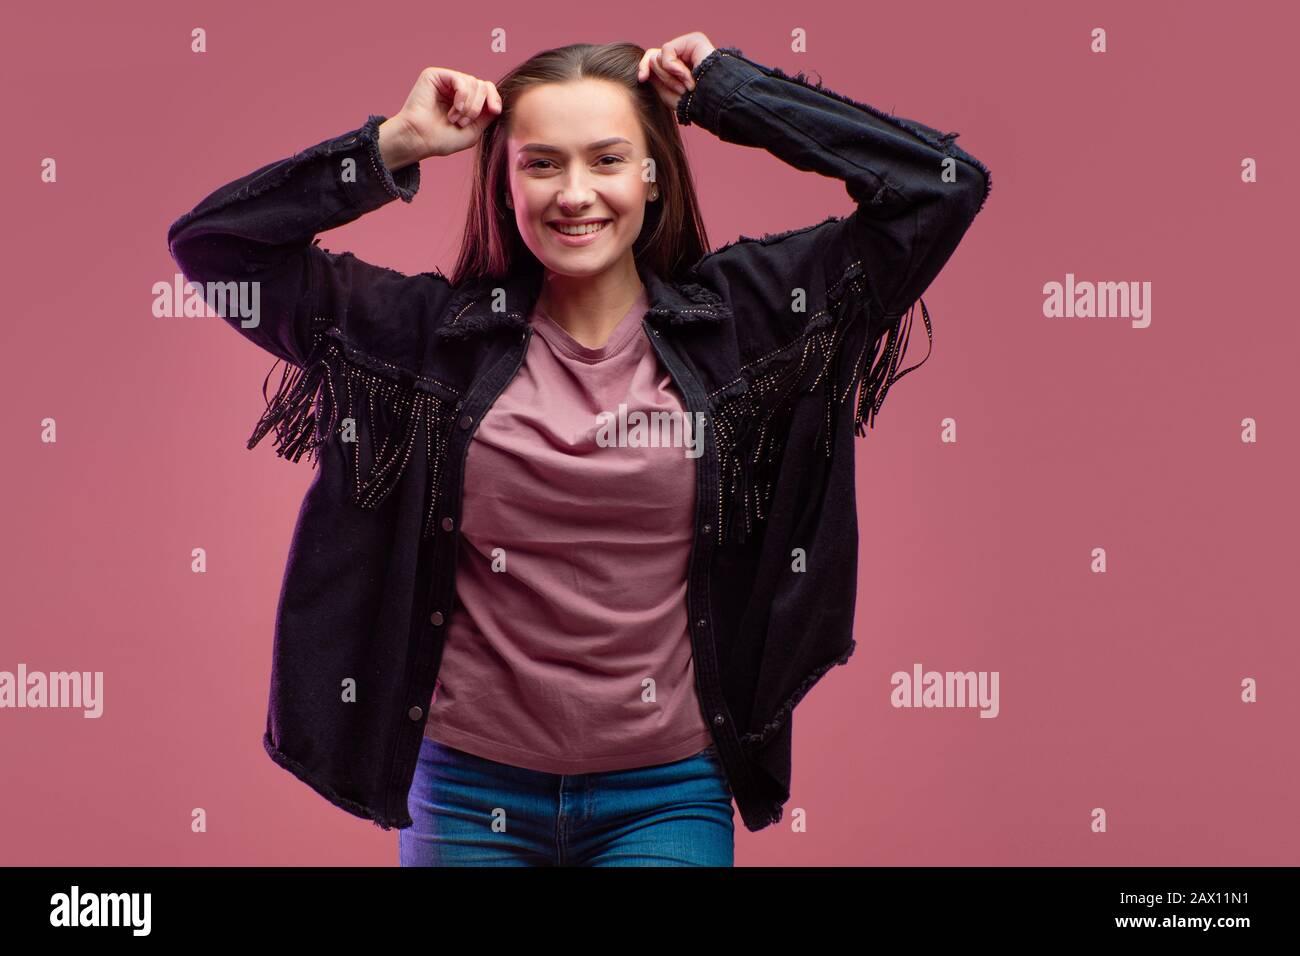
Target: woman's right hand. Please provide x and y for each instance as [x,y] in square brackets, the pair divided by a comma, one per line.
[445,112]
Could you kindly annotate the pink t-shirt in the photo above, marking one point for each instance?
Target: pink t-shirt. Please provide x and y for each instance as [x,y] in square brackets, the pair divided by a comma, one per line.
[568,650]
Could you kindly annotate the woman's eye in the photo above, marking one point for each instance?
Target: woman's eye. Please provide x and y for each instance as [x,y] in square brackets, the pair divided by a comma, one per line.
[601,161]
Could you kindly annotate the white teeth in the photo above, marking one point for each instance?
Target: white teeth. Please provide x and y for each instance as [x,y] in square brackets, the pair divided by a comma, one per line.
[579,230]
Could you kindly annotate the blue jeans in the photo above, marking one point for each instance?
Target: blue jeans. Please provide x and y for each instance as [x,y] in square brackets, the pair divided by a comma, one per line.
[471,811]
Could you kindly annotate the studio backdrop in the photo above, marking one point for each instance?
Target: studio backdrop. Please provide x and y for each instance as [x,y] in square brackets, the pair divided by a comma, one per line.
[1073,605]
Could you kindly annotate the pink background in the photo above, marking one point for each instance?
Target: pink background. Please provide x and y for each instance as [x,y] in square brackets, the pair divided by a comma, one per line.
[1119,690]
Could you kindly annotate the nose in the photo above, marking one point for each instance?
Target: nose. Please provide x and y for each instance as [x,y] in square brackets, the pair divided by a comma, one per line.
[576,192]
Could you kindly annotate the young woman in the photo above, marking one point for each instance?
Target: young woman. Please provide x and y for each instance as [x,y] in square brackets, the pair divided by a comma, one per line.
[539,714]
[621,660]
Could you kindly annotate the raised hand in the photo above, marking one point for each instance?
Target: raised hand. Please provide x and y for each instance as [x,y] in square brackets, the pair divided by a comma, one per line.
[669,66]
[445,112]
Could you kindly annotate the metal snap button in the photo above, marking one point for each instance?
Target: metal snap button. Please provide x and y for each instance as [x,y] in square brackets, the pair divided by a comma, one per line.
[466,421]
[448,524]
[415,713]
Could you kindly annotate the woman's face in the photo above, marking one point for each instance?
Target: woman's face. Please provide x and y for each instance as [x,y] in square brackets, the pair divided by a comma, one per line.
[575,154]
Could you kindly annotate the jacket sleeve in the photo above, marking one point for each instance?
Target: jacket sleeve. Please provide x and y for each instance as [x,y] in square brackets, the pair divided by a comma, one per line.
[261,229]
[351,334]
[916,194]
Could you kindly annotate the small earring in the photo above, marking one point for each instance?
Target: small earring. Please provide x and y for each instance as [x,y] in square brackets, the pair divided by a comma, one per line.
[654,193]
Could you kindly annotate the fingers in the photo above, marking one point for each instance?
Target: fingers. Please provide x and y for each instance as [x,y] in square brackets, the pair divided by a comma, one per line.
[460,93]
[465,90]
[474,105]
[669,80]
[643,68]
[673,62]
[444,83]
[472,95]
[668,67]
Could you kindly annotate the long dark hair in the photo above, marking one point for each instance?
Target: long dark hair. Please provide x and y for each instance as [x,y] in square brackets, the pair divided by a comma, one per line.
[672,238]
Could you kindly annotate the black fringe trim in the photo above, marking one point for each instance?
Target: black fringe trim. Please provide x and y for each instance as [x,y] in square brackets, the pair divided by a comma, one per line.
[390,418]
[751,424]
[883,373]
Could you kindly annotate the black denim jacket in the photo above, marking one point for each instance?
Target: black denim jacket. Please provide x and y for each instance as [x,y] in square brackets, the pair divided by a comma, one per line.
[387,376]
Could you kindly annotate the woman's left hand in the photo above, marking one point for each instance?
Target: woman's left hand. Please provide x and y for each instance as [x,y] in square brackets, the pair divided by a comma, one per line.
[669,67]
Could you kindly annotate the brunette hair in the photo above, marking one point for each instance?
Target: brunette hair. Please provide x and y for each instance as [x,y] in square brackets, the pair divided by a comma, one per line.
[672,238]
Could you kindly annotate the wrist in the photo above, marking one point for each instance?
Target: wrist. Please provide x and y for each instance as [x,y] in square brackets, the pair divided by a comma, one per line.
[399,147]
[702,54]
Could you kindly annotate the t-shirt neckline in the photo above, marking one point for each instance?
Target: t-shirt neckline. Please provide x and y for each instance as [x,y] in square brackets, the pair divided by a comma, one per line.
[618,339]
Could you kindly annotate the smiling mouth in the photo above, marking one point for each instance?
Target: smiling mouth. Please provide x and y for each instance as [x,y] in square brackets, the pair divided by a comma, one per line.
[584,230]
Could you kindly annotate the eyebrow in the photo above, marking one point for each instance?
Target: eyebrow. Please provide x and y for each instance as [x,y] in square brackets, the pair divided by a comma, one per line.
[599,144]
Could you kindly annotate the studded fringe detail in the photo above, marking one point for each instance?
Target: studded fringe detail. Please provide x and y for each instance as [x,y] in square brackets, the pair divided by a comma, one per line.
[751,425]
[881,375]
[388,419]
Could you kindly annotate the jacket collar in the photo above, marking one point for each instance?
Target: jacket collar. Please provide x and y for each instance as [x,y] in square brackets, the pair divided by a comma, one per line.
[471,307]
